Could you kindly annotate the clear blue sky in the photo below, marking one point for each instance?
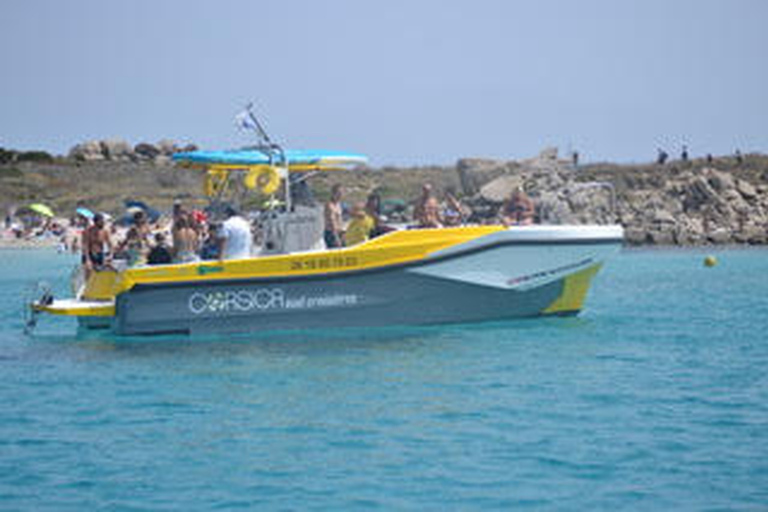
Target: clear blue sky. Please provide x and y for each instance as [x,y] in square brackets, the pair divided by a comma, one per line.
[406,82]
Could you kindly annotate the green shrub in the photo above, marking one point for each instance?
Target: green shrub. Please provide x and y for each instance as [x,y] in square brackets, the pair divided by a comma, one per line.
[35,156]
[7,155]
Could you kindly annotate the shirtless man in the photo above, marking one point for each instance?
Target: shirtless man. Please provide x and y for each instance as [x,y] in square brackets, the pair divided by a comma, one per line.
[334,227]
[96,246]
[185,241]
[518,209]
[426,213]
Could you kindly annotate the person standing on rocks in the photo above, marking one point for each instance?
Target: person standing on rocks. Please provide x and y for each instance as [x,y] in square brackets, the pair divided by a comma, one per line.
[684,153]
[661,159]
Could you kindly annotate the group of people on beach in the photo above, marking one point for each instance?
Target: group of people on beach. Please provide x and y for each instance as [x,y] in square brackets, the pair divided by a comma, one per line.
[192,238]
[366,219]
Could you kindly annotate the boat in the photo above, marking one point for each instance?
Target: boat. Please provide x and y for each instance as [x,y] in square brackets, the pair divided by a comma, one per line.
[469,273]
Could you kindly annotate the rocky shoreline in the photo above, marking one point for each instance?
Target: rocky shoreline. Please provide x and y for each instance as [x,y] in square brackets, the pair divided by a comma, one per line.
[681,203]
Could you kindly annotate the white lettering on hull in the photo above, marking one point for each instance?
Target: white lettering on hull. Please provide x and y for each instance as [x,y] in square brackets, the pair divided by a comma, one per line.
[263,299]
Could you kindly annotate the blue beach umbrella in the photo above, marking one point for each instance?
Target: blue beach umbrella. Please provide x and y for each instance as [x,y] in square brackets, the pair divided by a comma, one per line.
[85,212]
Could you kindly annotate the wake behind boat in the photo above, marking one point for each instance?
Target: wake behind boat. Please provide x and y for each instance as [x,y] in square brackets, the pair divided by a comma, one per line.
[466,273]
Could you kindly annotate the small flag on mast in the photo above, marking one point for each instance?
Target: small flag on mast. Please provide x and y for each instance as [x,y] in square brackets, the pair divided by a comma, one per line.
[244,121]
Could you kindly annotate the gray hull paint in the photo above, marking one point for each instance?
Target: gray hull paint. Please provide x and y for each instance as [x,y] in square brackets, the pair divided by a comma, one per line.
[395,297]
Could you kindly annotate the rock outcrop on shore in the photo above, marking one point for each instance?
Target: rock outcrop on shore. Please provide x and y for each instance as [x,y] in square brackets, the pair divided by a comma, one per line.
[118,150]
[682,203]
[719,201]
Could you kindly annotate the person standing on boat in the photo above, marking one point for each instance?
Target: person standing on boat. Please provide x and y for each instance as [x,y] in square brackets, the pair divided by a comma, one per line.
[235,237]
[426,213]
[334,229]
[97,245]
[185,242]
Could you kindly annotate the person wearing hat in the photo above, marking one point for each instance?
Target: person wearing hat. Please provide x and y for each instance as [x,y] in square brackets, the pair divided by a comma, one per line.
[360,227]
[235,236]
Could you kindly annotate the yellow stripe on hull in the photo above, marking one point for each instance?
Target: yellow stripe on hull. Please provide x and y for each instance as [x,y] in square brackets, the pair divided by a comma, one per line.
[395,248]
[78,308]
[575,288]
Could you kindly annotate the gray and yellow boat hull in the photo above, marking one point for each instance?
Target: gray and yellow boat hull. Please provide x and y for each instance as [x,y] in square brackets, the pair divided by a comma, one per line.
[414,277]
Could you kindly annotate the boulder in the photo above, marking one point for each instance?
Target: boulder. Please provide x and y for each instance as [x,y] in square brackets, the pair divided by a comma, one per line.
[592,205]
[746,189]
[662,236]
[87,151]
[690,231]
[736,202]
[548,153]
[498,190]
[163,160]
[664,217]
[719,180]
[553,209]
[698,193]
[720,236]
[757,236]
[635,236]
[146,150]
[116,150]
[474,172]
[167,147]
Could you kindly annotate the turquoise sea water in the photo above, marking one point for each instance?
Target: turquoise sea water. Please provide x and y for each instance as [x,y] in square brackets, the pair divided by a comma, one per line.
[655,398]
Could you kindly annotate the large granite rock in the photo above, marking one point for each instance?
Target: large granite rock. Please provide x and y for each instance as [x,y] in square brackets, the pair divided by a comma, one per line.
[746,189]
[117,150]
[146,151]
[498,190]
[88,151]
[167,147]
[474,172]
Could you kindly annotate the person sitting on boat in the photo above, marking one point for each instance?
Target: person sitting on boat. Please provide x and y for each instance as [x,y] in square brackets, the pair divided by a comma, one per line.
[373,209]
[185,242]
[141,223]
[426,213]
[454,213]
[97,245]
[160,253]
[334,230]
[235,236]
[132,249]
[360,227]
[518,209]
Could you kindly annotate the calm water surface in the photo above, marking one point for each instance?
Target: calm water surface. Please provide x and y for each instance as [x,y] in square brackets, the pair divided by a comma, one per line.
[655,398]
